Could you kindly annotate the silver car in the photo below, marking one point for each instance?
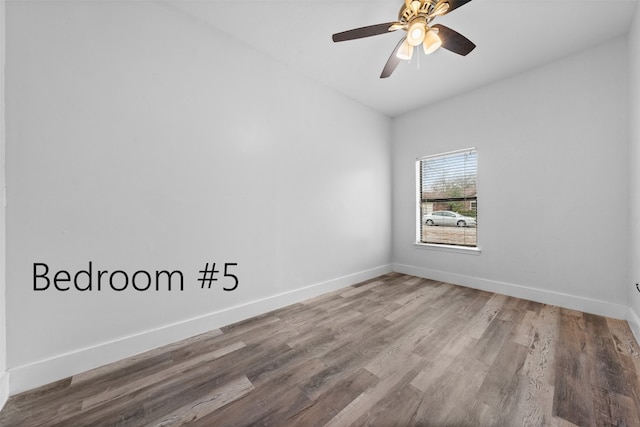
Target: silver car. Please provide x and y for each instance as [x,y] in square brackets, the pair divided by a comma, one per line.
[448,218]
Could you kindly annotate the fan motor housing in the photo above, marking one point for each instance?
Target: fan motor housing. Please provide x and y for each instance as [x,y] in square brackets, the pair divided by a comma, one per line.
[426,8]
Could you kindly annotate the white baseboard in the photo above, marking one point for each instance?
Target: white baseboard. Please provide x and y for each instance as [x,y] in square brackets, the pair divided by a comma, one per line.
[4,388]
[62,366]
[634,323]
[574,302]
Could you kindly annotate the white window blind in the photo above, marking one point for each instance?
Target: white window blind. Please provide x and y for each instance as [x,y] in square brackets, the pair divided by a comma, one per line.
[448,198]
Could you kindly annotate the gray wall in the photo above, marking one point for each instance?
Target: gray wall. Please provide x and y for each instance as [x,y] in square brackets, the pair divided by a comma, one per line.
[4,378]
[634,169]
[142,139]
[553,188]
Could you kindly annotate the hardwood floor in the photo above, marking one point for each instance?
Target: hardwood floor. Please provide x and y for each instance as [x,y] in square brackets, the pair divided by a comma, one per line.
[396,350]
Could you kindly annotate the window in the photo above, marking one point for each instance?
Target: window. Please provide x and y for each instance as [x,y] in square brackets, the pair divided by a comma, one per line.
[447,199]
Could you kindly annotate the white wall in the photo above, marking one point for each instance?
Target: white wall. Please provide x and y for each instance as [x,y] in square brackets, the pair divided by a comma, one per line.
[138,138]
[4,378]
[634,175]
[553,183]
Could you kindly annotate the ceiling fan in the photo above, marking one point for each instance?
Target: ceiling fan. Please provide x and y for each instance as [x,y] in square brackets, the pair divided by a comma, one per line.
[415,18]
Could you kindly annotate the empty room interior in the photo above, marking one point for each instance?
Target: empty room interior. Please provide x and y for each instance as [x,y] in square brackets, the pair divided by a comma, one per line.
[226,213]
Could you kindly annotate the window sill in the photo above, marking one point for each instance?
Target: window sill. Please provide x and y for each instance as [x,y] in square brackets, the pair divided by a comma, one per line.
[448,248]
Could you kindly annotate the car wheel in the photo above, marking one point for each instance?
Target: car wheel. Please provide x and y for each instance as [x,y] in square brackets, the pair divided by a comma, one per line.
[429,222]
[461,223]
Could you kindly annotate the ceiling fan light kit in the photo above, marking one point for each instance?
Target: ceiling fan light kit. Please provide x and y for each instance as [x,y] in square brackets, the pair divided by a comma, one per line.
[431,41]
[417,31]
[405,52]
[415,18]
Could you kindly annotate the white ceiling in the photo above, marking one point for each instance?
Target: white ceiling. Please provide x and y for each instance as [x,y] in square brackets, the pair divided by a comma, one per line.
[511,36]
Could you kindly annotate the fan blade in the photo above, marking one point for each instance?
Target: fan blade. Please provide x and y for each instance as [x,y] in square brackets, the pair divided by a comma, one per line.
[453,4]
[454,41]
[392,62]
[358,33]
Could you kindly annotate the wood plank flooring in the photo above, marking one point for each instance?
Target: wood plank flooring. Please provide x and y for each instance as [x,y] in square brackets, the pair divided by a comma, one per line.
[395,350]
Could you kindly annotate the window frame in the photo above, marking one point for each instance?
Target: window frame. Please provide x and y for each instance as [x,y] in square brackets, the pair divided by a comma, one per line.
[469,250]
